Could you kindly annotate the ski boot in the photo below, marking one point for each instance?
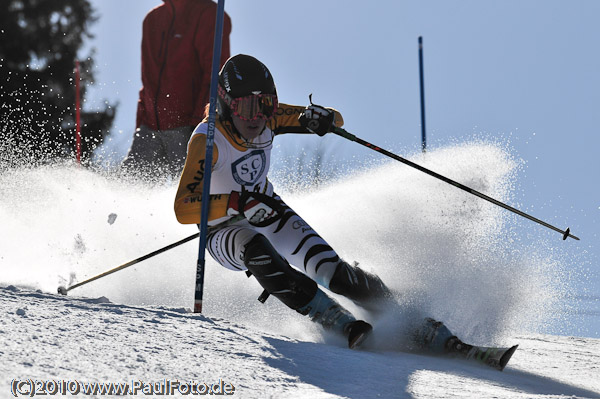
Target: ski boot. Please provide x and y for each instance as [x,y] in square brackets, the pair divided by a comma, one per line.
[357,331]
[435,337]
[331,315]
[432,336]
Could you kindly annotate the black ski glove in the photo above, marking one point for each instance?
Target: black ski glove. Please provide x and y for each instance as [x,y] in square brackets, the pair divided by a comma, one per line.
[317,119]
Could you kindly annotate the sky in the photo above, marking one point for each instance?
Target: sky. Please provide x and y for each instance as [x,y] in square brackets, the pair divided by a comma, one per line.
[521,73]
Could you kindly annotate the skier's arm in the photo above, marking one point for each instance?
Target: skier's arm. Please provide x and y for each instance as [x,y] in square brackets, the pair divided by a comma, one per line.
[286,119]
[188,200]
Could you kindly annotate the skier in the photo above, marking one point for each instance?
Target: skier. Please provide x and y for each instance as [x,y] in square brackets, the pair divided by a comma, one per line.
[272,235]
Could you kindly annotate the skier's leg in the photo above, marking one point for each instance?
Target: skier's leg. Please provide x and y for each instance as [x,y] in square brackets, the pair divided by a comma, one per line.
[240,247]
[300,245]
[307,250]
[298,291]
[226,245]
[364,288]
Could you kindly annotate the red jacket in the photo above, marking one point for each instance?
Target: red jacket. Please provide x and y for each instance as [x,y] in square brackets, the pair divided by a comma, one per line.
[177,47]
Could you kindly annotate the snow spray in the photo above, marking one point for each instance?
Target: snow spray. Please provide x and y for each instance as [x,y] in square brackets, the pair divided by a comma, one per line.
[446,254]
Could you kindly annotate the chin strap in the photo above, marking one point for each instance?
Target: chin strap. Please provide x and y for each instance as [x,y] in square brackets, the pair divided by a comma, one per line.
[232,131]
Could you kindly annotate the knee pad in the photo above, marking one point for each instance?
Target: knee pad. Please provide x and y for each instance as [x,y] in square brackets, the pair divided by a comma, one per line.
[275,274]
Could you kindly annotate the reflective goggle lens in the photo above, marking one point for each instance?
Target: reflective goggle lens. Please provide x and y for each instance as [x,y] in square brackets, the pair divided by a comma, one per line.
[254,106]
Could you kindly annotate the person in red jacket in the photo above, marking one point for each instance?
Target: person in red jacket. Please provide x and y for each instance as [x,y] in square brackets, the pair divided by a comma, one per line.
[177,49]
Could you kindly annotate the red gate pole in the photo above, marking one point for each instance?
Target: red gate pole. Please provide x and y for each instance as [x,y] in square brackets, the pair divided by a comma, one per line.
[77,116]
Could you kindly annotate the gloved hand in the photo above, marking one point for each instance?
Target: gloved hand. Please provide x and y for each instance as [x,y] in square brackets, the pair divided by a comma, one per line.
[257,212]
[317,119]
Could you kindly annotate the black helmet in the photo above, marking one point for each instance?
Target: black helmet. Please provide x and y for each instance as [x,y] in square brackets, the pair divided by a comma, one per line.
[241,76]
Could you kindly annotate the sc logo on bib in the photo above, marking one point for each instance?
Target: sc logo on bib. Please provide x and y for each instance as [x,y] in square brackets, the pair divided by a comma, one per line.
[247,170]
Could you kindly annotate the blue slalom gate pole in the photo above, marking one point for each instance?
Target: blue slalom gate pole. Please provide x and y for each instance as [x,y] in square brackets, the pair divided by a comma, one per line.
[210,136]
[422,84]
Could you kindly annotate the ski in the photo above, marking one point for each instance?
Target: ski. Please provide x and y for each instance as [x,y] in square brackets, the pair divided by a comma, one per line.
[491,356]
[494,357]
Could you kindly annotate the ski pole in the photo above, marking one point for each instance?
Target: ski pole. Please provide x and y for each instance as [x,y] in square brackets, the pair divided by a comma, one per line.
[63,290]
[349,136]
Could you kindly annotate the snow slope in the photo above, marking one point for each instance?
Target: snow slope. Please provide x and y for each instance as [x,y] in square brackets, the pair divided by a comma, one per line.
[447,254]
[45,336]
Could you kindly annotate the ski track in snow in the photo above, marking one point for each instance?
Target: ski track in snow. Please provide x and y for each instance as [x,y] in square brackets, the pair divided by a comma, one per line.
[448,255]
[47,336]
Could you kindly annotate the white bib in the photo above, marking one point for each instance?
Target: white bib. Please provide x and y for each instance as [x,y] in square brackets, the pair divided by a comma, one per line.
[235,168]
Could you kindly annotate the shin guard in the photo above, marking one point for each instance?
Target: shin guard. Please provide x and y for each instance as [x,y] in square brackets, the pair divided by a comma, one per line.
[276,276]
[365,289]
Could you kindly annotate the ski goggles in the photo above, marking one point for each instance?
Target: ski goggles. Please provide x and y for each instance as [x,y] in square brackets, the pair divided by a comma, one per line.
[252,107]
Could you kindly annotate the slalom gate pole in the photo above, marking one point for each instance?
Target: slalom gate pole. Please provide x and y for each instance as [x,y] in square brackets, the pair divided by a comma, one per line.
[349,136]
[63,290]
[422,86]
[77,115]
[210,134]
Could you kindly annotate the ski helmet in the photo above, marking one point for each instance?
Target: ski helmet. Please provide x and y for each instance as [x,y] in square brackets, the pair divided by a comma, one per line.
[245,76]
